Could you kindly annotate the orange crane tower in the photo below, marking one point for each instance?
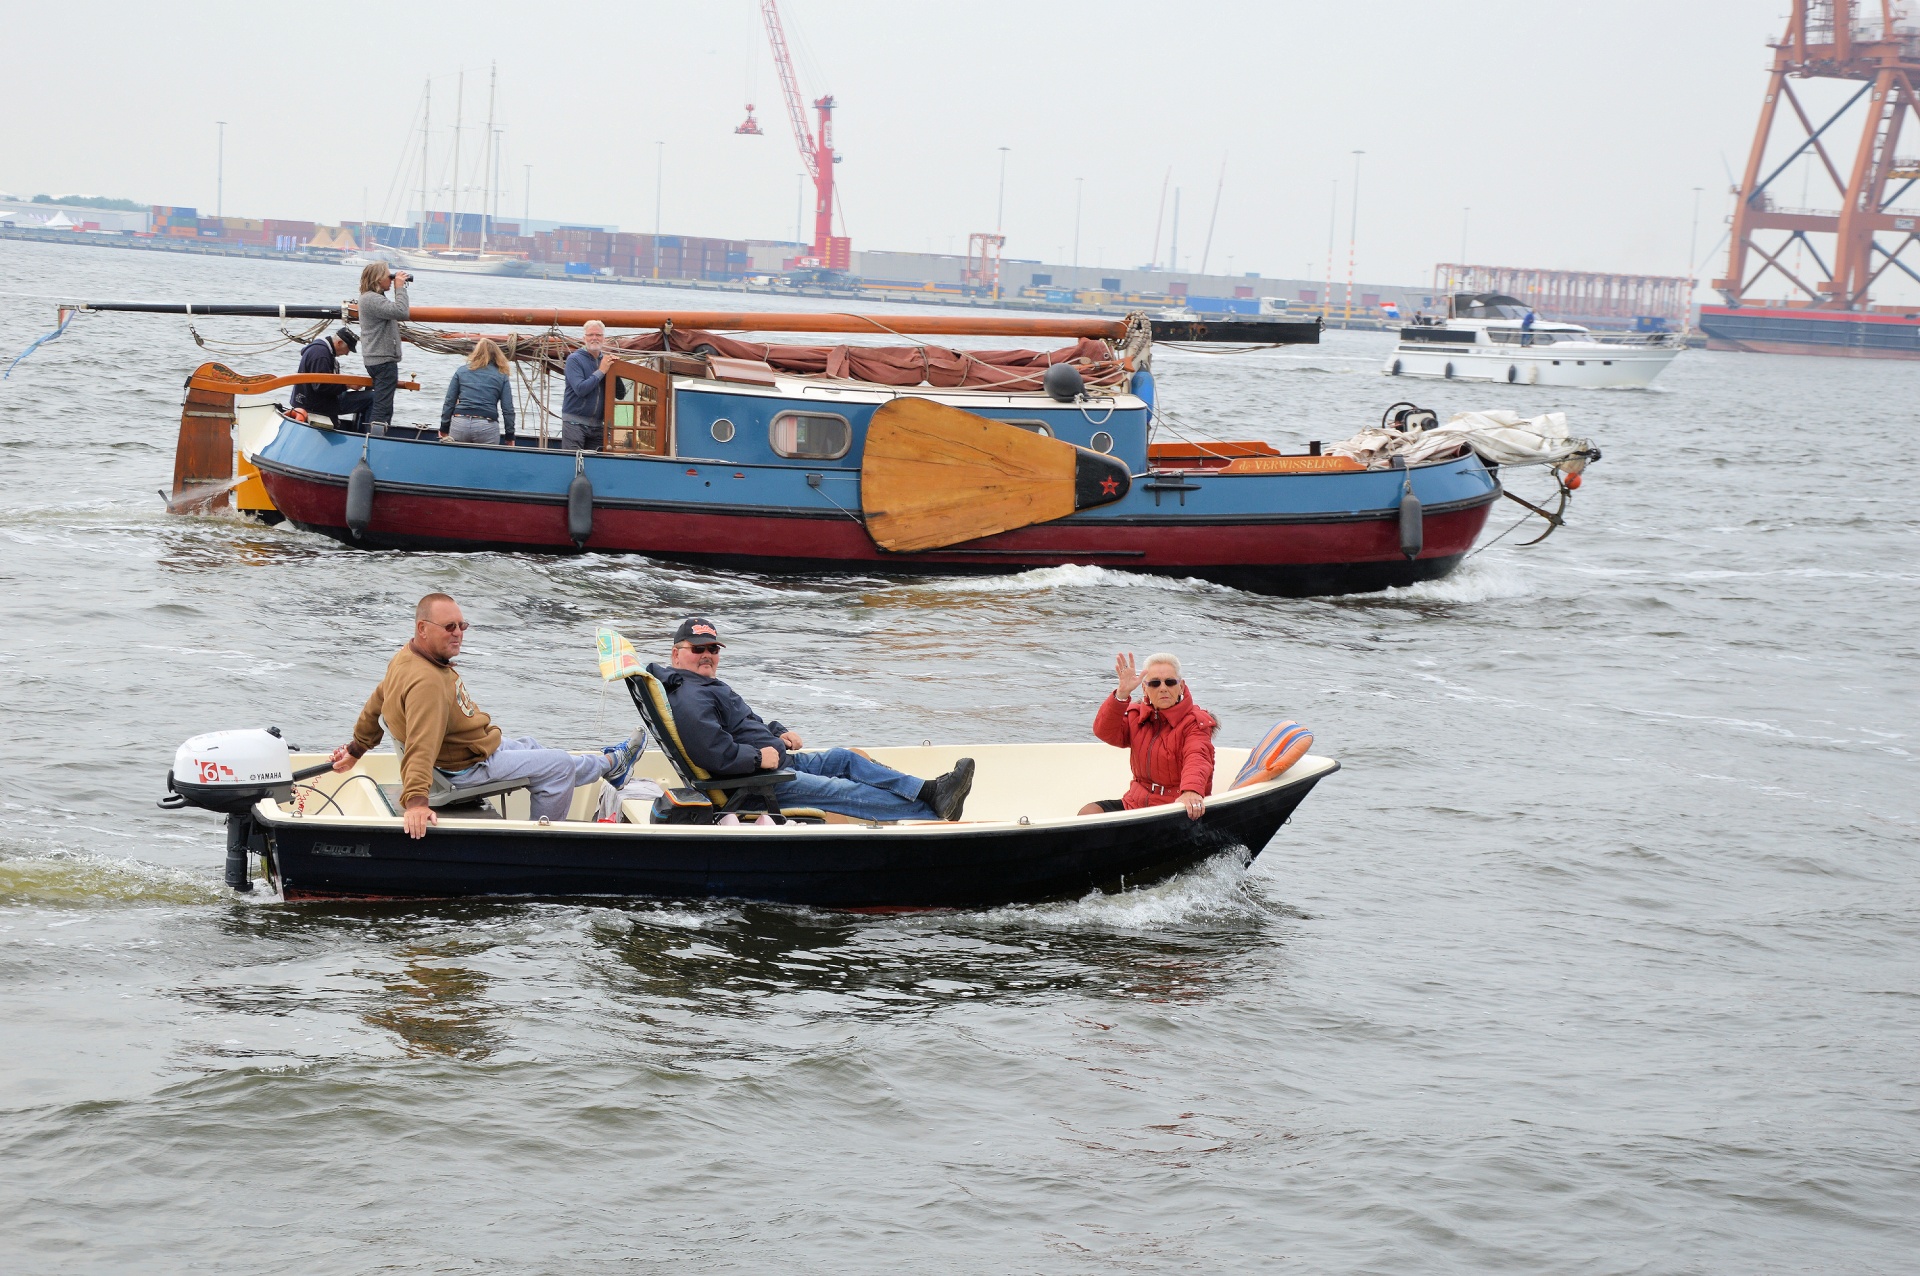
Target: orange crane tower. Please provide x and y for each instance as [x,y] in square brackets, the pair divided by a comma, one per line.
[830,251]
[1833,40]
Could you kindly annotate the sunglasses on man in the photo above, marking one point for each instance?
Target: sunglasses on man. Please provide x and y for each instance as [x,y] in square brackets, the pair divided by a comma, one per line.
[452,626]
[704,649]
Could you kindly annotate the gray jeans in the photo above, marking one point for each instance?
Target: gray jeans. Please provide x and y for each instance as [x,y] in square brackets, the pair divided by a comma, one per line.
[577,435]
[474,429]
[554,773]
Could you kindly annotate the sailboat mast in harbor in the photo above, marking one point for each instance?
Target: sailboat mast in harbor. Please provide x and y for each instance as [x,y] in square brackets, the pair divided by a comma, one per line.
[486,199]
[459,114]
[426,131]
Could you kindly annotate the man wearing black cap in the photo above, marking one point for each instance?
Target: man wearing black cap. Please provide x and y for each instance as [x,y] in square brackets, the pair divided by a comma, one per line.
[336,403]
[727,738]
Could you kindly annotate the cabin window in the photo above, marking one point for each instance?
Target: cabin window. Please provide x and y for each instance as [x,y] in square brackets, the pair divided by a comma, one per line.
[1101,441]
[1031,427]
[813,436]
[722,431]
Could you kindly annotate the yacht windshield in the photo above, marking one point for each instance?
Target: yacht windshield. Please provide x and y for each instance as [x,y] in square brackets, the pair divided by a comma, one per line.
[1488,305]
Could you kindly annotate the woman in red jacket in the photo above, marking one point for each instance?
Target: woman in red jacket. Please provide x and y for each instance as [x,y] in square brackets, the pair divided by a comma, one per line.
[1170,736]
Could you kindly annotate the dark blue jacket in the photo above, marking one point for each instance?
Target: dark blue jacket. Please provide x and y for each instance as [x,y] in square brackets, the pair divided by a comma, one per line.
[584,379]
[722,735]
[317,357]
[482,392]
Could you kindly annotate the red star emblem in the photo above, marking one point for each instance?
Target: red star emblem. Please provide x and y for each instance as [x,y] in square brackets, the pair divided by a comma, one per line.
[1109,486]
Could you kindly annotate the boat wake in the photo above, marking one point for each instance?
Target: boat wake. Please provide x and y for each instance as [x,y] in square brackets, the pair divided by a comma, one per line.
[1478,580]
[1071,576]
[1214,891]
[70,879]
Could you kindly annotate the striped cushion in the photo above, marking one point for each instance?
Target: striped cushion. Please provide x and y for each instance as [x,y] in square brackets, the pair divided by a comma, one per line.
[1282,746]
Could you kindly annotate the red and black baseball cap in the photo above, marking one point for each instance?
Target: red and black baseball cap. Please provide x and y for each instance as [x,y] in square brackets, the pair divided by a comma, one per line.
[697,629]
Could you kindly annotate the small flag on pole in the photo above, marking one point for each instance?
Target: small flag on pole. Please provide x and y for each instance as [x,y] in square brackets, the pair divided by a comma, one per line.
[1391,309]
[618,659]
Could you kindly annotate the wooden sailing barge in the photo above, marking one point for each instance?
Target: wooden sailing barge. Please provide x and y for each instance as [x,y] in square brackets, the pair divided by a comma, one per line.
[904,457]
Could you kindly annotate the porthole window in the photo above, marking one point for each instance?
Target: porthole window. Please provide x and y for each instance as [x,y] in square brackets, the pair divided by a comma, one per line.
[722,431]
[813,436]
[1031,427]
[1101,441]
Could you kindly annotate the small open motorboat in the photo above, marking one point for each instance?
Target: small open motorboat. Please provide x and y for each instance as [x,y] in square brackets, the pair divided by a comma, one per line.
[320,834]
[330,836]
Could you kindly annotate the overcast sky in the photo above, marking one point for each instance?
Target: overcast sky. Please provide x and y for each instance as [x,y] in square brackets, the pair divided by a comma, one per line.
[1575,130]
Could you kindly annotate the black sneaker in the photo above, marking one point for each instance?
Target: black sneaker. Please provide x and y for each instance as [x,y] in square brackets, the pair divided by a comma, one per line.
[950,790]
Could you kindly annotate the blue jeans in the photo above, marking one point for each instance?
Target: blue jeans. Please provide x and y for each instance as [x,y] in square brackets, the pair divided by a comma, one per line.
[553,773]
[843,781]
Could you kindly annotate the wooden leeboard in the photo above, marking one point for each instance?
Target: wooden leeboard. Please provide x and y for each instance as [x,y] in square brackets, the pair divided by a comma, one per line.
[934,476]
[203,455]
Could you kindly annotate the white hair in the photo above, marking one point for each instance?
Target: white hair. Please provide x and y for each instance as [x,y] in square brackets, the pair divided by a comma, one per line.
[1162,658]
[593,323]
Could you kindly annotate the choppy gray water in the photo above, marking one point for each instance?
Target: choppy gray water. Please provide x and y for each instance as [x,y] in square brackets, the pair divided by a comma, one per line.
[1600,955]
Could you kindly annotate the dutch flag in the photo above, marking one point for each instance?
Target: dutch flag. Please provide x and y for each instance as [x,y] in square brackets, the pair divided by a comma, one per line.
[1391,309]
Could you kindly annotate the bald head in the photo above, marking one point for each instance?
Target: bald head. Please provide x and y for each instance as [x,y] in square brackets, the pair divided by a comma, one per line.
[425,609]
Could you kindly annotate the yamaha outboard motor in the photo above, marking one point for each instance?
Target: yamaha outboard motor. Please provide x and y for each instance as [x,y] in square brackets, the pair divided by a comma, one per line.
[229,771]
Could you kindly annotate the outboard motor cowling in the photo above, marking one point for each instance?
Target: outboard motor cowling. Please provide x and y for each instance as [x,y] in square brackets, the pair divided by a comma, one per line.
[228,771]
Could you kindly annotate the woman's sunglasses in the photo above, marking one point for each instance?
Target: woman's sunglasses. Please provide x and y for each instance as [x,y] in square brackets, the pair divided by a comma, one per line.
[1163,682]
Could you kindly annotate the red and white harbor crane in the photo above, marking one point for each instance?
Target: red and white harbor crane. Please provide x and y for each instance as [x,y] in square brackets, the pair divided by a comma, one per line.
[829,251]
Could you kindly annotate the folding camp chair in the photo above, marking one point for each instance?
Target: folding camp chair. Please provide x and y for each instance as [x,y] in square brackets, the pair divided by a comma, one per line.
[703,797]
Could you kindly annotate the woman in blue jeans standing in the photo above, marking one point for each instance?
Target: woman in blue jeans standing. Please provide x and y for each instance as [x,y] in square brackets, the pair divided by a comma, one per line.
[477,397]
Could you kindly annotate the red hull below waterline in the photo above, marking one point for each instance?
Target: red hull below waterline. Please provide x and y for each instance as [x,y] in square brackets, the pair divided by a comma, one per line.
[1292,555]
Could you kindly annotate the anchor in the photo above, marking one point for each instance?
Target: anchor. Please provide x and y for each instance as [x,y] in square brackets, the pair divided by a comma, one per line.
[1556,518]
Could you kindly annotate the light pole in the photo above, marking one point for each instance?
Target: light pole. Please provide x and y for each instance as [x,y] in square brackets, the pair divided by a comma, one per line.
[1333,220]
[1464,214]
[526,209]
[1000,215]
[1079,189]
[220,172]
[1353,235]
[1693,243]
[659,171]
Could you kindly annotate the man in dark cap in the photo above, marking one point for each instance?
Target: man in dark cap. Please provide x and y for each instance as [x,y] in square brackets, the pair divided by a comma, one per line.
[726,738]
[337,403]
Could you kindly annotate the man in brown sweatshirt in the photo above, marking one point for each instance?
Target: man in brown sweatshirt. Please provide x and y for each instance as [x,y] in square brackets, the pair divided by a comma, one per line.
[437,726]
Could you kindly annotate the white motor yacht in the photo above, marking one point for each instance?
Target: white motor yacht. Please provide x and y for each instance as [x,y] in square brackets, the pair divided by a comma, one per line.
[1488,337]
